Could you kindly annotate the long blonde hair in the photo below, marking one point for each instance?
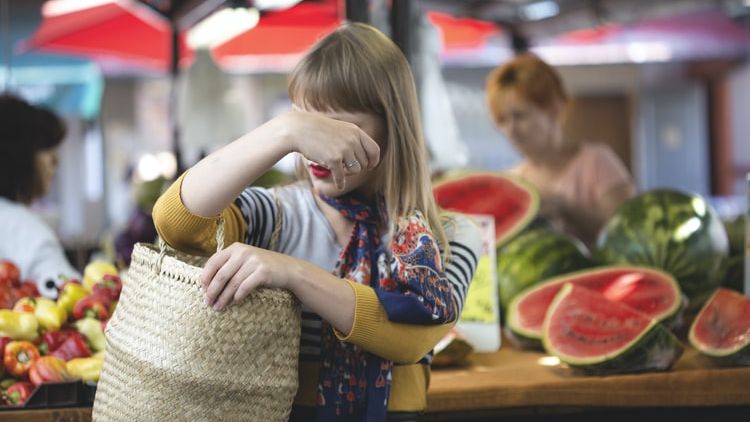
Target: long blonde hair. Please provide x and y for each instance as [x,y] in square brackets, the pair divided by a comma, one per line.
[359,69]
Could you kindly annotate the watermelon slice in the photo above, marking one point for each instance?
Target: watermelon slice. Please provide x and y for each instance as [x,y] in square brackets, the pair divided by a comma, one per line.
[598,336]
[653,292]
[722,328]
[513,203]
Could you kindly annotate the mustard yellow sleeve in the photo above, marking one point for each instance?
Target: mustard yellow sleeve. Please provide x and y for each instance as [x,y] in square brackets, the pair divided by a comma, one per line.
[371,330]
[192,233]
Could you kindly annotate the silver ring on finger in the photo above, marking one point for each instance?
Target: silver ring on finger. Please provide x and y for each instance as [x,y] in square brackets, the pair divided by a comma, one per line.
[352,164]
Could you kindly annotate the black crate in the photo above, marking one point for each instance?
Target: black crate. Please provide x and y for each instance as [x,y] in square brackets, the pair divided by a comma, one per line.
[59,394]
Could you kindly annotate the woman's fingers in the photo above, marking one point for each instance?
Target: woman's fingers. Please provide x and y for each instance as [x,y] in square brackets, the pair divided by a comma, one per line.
[228,293]
[212,266]
[370,151]
[221,278]
[250,283]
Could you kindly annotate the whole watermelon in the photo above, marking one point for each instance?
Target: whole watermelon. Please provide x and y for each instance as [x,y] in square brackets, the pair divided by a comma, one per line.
[675,231]
[536,255]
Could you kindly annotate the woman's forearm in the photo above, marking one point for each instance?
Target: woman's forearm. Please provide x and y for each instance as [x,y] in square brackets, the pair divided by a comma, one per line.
[219,178]
[327,295]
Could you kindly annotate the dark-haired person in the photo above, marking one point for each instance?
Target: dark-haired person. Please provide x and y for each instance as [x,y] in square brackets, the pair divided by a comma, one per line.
[29,137]
[581,184]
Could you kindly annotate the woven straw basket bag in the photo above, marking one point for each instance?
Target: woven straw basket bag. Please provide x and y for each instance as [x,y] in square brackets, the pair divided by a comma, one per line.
[170,357]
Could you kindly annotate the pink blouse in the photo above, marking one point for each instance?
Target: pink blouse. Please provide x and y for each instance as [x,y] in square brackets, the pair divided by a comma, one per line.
[591,174]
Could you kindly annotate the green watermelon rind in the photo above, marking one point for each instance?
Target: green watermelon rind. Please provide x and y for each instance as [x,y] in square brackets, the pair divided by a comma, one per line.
[662,347]
[534,199]
[643,240]
[513,275]
[739,354]
[530,338]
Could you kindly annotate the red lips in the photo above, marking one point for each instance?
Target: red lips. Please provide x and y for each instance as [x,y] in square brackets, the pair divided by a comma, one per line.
[319,171]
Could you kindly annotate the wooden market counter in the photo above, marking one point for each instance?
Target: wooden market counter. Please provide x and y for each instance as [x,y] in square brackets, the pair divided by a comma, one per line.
[513,385]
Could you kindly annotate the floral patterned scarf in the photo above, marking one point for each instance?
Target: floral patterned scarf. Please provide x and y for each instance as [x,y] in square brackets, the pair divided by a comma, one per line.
[354,385]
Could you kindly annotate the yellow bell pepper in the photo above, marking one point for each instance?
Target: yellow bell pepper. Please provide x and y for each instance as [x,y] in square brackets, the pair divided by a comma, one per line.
[18,325]
[25,304]
[92,329]
[87,369]
[50,316]
[70,295]
[94,272]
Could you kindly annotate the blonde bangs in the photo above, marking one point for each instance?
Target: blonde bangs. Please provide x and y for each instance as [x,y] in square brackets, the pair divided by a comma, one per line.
[359,69]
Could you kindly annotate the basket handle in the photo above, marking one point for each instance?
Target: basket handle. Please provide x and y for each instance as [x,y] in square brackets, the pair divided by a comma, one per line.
[164,247]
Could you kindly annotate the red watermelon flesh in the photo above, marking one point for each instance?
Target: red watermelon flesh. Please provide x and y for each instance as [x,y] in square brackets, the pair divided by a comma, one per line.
[584,327]
[652,292]
[512,203]
[722,328]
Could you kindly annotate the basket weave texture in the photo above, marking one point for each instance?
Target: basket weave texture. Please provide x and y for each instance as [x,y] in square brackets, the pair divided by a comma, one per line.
[170,357]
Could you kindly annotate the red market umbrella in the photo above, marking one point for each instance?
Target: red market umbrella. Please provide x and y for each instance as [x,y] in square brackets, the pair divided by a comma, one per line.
[280,38]
[462,33]
[118,34]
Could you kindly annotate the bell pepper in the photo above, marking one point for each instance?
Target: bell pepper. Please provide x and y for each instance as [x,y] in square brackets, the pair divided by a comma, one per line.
[92,330]
[70,294]
[18,392]
[91,307]
[18,325]
[109,287]
[95,271]
[48,369]
[25,304]
[50,316]
[87,369]
[19,356]
[51,340]
[73,347]
[28,288]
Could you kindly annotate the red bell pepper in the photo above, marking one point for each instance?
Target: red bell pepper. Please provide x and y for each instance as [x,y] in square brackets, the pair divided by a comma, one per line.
[51,340]
[91,307]
[28,288]
[19,356]
[73,347]
[109,288]
[19,392]
[48,369]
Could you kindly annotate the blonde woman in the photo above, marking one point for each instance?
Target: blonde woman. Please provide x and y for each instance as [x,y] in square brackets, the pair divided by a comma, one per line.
[359,239]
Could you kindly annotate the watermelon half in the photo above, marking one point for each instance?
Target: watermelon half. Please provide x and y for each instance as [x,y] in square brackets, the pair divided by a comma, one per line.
[513,203]
[722,328]
[598,336]
[653,292]
[677,232]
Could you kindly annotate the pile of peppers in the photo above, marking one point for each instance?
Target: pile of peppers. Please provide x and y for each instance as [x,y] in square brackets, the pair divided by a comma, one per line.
[44,340]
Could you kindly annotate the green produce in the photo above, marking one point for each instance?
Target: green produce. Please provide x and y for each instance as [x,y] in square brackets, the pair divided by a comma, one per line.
[598,336]
[677,232]
[650,291]
[513,203]
[534,256]
[722,328]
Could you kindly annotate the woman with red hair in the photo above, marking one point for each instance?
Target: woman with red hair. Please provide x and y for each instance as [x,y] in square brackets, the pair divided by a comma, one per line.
[581,184]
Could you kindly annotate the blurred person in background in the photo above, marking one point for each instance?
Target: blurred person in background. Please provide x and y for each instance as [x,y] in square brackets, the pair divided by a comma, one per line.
[29,137]
[581,184]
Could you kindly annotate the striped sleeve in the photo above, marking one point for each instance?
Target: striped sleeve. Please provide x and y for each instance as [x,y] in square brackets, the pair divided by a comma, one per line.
[258,209]
[465,242]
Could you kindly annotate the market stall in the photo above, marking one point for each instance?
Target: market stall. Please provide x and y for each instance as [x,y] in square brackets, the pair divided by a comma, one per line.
[514,383]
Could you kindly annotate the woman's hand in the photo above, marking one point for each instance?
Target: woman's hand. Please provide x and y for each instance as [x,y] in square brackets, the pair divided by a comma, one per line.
[231,274]
[341,147]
